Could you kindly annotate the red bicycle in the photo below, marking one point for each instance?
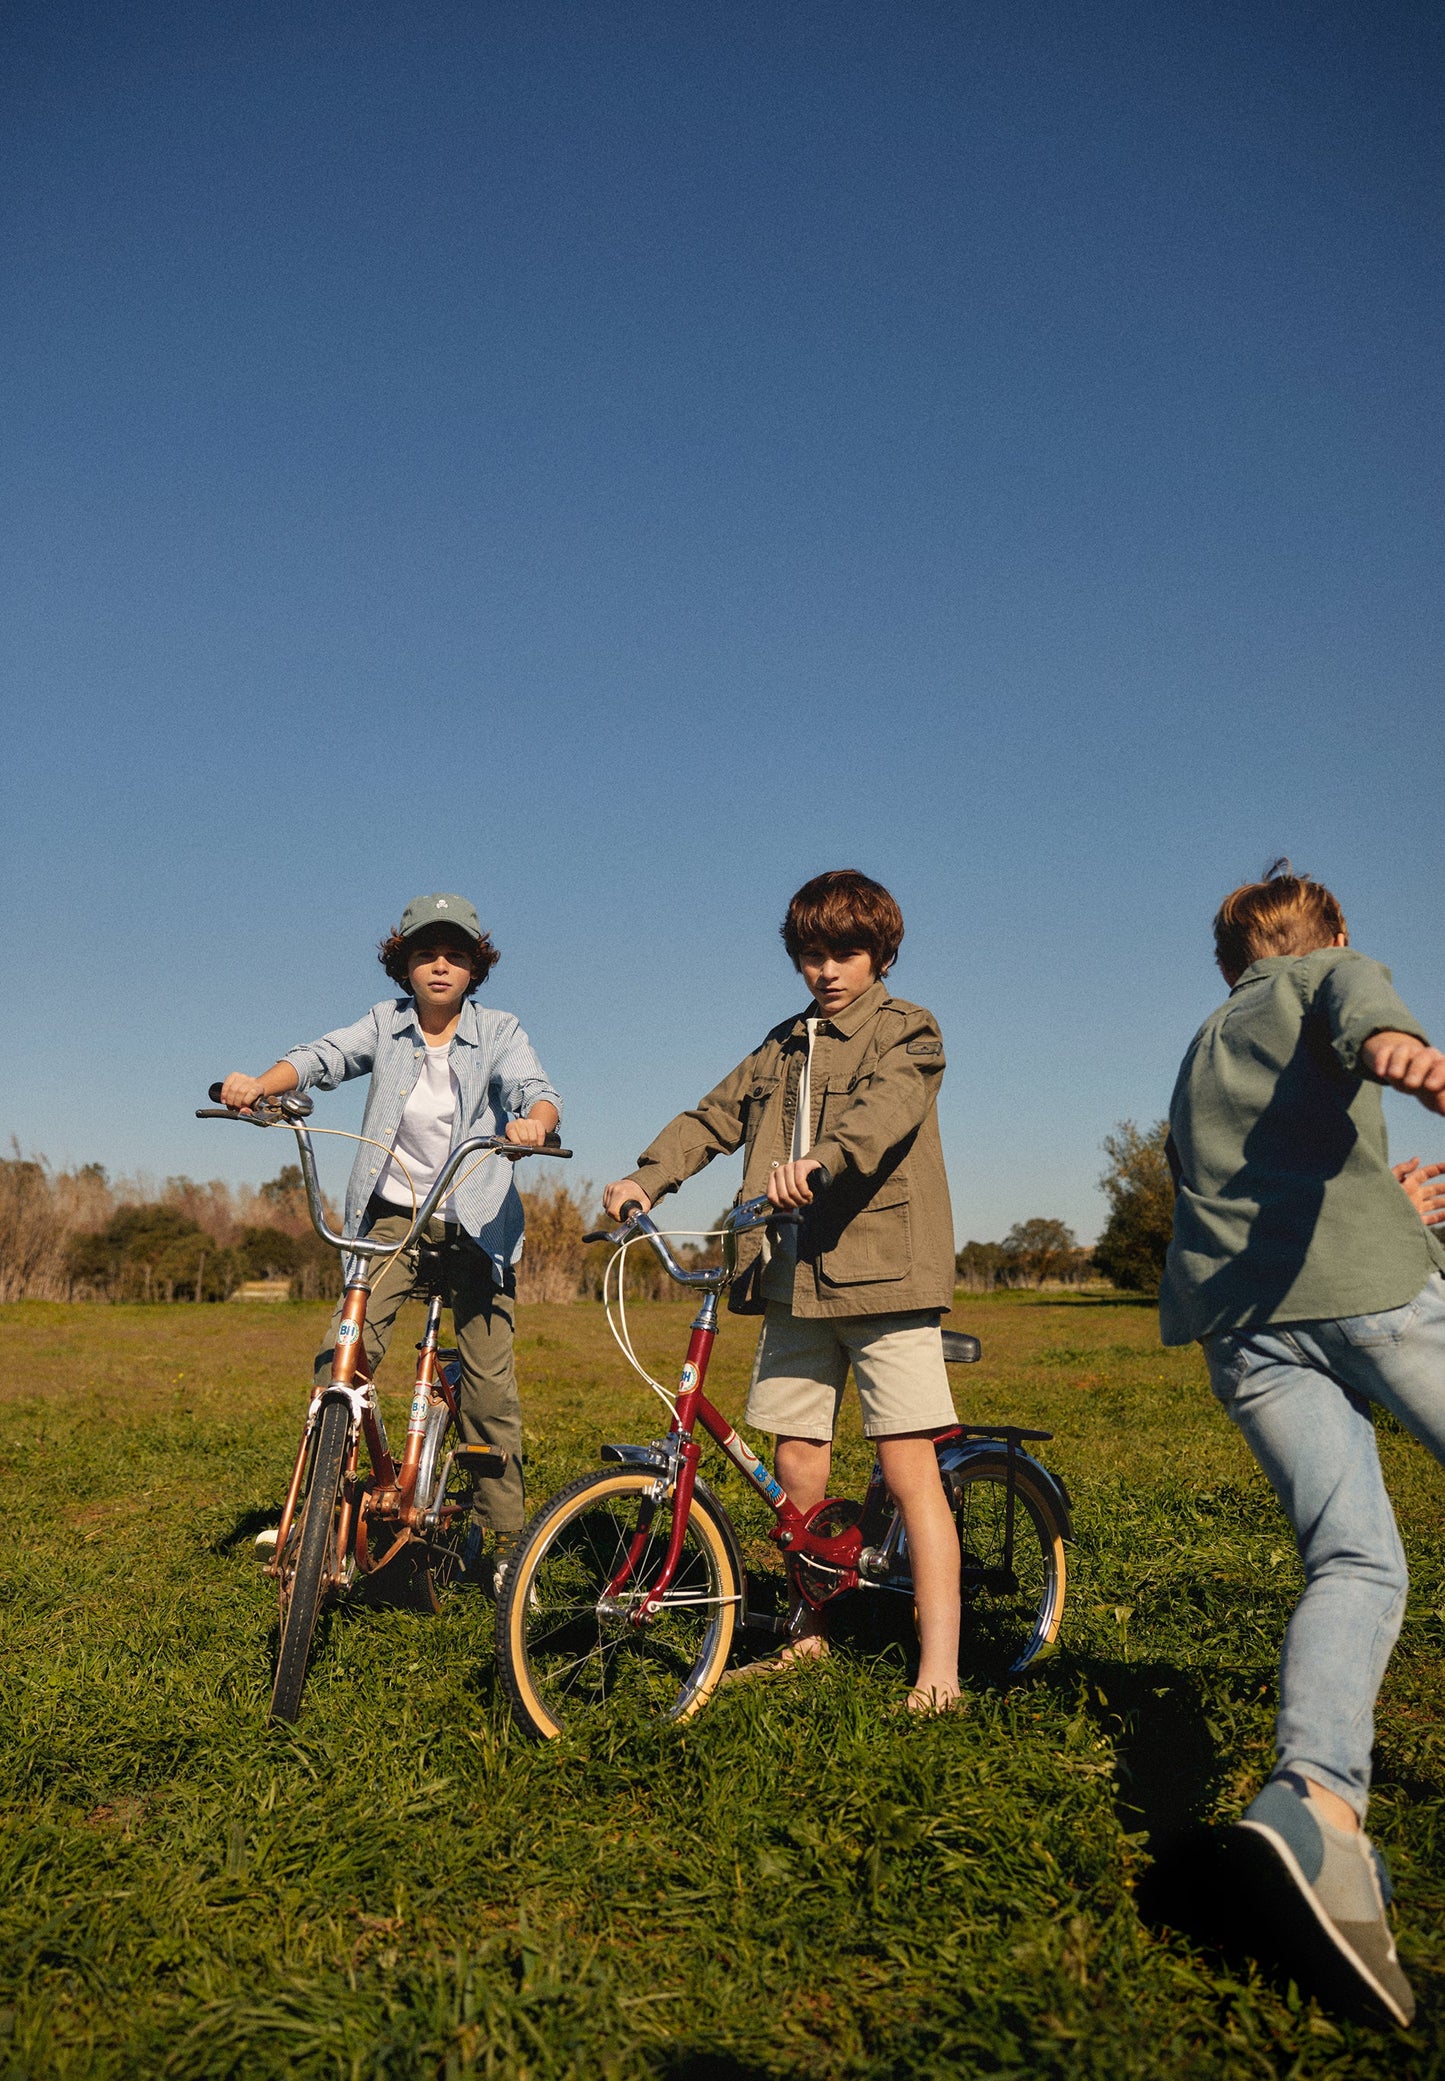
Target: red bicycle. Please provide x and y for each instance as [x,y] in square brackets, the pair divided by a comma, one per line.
[629,1585]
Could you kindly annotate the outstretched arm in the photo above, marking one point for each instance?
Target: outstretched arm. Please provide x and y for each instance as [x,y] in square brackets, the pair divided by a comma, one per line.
[1408,1065]
[1425,1188]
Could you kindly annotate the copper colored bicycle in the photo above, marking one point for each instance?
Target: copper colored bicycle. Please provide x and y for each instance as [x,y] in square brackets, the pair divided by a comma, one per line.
[354,1515]
[629,1585]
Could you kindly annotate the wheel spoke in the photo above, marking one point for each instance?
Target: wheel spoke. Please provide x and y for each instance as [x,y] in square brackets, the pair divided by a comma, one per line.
[566,1642]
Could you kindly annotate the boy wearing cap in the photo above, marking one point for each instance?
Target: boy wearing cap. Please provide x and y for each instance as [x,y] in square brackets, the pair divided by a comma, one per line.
[442,1069]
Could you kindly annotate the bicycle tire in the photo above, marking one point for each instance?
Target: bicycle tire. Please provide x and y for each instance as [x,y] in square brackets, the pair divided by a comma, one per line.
[559,1657]
[1004,1631]
[313,1556]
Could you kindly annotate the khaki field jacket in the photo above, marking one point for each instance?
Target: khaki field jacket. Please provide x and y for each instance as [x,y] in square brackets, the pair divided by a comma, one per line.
[880,1240]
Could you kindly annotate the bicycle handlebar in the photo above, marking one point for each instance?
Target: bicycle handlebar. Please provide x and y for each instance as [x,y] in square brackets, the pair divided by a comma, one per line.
[293,1107]
[751,1213]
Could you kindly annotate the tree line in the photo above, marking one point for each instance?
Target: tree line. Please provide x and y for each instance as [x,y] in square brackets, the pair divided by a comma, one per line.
[75,1235]
[1130,1252]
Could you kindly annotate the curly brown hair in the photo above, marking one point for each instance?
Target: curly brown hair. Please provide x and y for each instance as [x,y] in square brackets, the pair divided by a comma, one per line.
[844,912]
[395,953]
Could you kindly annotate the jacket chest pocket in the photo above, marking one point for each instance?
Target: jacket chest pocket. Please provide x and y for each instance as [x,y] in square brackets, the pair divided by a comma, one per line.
[759,1096]
[838,1092]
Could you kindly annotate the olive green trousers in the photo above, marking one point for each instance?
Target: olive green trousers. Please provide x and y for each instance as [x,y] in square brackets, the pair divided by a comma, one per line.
[489,1410]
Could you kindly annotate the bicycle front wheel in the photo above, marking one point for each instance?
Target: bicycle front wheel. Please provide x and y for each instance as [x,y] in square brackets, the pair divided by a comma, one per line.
[567,1638]
[305,1585]
[1013,1604]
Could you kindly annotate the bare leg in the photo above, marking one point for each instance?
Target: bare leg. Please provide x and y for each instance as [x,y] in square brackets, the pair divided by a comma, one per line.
[803,1466]
[910,1468]
[1334,1809]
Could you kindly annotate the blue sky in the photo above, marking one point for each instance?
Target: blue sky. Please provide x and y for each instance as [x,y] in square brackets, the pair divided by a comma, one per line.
[617,460]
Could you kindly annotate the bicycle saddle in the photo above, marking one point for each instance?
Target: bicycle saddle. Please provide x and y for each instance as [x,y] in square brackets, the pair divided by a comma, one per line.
[960,1349]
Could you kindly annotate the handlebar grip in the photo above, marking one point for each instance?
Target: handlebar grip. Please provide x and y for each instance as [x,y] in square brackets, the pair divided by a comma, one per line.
[214,1094]
[629,1208]
[819,1180]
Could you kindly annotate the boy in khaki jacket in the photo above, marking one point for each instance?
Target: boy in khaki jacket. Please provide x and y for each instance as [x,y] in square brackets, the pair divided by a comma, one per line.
[850,1086]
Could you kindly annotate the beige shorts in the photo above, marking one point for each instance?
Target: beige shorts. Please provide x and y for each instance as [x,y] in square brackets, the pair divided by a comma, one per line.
[802,1366]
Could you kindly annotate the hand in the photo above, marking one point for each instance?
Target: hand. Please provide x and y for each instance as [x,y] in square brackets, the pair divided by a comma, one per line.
[788,1184]
[242,1091]
[527,1134]
[616,1196]
[1422,1187]
[1409,1065]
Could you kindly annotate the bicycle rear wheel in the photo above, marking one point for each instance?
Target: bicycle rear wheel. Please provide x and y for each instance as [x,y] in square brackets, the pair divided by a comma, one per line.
[315,1557]
[1011,1617]
[563,1648]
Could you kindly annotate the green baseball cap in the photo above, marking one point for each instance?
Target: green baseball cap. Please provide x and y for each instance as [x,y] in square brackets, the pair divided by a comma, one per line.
[440,910]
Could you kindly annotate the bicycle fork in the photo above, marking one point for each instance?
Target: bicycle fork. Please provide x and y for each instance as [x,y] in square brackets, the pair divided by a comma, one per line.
[680,1469]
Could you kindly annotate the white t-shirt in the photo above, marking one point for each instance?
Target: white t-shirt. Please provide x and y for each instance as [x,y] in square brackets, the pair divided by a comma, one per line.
[783,1255]
[424,1138]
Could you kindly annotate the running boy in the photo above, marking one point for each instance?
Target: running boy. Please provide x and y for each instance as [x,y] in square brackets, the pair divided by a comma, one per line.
[1316,1290]
[442,1069]
[850,1084]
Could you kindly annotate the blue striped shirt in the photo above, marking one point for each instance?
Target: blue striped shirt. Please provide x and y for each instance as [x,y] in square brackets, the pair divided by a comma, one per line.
[498,1079]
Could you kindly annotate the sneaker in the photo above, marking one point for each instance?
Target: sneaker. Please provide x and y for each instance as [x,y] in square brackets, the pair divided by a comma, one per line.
[1319,1897]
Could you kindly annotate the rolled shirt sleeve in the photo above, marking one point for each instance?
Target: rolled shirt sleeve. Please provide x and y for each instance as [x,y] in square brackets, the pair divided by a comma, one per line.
[350,1051]
[519,1080]
[1357,998]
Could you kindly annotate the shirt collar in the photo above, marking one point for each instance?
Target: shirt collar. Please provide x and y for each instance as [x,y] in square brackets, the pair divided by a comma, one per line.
[404,1019]
[851,1018]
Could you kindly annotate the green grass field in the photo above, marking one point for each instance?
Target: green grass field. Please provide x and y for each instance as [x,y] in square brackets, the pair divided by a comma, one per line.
[804,1881]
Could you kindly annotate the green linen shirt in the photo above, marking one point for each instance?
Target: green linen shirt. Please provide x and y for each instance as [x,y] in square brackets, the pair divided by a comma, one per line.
[1286,1209]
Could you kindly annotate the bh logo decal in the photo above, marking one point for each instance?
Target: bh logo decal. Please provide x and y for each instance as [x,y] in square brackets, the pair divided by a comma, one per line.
[688,1380]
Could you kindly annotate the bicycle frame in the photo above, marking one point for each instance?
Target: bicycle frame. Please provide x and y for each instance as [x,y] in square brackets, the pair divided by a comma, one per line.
[391,1488]
[848,1554]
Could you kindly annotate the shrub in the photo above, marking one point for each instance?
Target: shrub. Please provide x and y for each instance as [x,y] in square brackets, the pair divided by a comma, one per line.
[154,1252]
[551,1267]
[1132,1249]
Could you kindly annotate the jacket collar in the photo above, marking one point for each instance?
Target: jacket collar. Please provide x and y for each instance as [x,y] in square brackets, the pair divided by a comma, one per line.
[852,1017]
[405,1020]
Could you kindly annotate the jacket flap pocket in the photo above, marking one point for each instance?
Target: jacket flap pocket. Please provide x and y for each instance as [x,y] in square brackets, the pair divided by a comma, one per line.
[876,1244]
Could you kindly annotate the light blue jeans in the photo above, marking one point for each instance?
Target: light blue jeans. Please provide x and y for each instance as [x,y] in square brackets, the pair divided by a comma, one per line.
[1301,1393]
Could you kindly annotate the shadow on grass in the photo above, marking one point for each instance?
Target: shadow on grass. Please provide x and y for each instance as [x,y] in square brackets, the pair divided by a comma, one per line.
[689,2063]
[244,1530]
[1158,1720]
[1097,1300]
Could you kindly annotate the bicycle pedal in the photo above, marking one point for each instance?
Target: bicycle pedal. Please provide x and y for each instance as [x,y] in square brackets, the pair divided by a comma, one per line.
[479,1459]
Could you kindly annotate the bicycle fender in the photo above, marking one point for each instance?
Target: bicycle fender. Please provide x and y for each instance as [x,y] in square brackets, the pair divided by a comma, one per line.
[959,1455]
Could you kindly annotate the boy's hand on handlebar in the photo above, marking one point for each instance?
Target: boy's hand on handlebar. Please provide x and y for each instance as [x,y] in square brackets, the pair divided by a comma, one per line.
[623,1192]
[241,1091]
[527,1134]
[788,1185]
